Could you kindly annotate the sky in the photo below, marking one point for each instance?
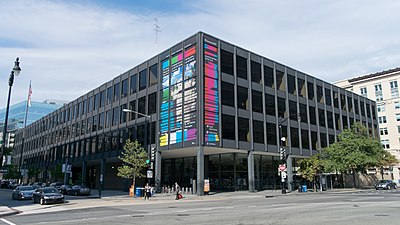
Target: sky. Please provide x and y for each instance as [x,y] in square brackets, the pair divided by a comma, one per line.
[68,48]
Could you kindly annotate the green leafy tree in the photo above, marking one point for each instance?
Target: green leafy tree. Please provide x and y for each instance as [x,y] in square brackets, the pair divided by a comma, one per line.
[355,151]
[134,161]
[12,172]
[56,172]
[310,168]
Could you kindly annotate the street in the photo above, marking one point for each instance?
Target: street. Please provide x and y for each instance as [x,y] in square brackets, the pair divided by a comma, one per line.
[355,207]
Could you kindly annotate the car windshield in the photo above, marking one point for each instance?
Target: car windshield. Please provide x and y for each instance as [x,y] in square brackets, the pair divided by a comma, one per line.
[50,190]
[383,181]
[29,188]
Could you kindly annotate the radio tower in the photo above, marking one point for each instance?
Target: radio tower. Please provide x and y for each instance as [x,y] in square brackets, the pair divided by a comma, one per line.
[157,30]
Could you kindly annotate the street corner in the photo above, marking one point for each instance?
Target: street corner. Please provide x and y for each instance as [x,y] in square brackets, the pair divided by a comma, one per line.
[7,211]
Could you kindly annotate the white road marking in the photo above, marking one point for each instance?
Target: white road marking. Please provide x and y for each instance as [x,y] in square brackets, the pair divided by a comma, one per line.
[7,222]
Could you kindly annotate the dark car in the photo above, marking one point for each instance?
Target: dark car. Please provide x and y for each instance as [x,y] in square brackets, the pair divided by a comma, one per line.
[79,190]
[65,188]
[4,184]
[23,192]
[385,184]
[47,195]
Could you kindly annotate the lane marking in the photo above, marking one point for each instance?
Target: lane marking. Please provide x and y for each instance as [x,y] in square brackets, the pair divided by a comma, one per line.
[7,222]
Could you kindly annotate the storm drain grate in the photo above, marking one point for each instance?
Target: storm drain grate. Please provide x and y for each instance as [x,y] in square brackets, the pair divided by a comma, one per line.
[138,216]
[381,215]
[183,214]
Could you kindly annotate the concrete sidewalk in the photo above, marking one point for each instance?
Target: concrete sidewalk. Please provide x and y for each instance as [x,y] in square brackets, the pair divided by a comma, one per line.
[7,211]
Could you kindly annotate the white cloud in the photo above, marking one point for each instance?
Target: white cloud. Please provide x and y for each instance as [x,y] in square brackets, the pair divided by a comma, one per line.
[67,49]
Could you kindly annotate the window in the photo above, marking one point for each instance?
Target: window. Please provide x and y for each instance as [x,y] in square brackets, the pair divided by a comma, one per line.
[378,87]
[124,88]
[335,99]
[243,125]
[350,104]
[258,132]
[271,134]
[102,98]
[109,95]
[379,96]
[381,108]
[304,139]
[108,119]
[133,87]
[329,118]
[383,131]
[142,79]
[123,114]
[291,84]
[385,144]
[241,67]
[397,117]
[270,104]
[226,62]
[153,75]
[280,81]
[320,95]
[321,114]
[116,92]
[94,123]
[101,121]
[228,127]
[242,98]
[152,103]
[396,105]
[227,94]
[96,102]
[398,129]
[281,107]
[257,101]
[294,137]
[269,77]
[132,106]
[303,113]
[142,106]
[393,84]
[301,88]
[310,91]
[255,72]
[382,119]
[363,91]
[343,102]
[328,99]
[115,118]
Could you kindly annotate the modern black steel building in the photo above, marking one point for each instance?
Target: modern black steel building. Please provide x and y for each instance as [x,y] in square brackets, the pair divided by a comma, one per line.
[215,113]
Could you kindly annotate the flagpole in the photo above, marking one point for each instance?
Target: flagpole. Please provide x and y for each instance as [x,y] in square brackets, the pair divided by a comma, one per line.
[23,131]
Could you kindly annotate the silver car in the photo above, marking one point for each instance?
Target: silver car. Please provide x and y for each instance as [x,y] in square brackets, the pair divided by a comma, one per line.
[23,192]
[385,184]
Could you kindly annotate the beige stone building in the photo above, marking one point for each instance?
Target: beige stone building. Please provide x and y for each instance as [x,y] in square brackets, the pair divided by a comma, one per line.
[382,87]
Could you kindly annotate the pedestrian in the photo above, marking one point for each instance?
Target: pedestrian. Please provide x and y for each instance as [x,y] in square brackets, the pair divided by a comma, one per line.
[177,189]
[147,190]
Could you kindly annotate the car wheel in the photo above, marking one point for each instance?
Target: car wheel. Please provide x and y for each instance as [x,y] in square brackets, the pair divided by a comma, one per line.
[395,186]
[42,202]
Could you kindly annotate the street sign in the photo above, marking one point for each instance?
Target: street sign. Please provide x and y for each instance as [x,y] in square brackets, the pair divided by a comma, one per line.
[282,167]
[149,173]
[283,175]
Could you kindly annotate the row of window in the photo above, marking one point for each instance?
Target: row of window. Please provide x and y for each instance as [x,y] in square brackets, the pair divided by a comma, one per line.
[378,91]
[243,131]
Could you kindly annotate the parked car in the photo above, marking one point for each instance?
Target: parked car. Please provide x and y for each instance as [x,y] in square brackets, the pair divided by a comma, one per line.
[23,192]
[79,190]
[4,184]
[56,185]
[385,184]
[37,184]
[47,195]
[65,188]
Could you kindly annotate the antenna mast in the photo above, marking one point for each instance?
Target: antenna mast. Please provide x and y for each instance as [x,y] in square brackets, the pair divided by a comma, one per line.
[157,30]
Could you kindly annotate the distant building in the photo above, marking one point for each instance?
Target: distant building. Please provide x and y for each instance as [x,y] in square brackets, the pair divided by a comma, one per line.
[382,87]
[36,111]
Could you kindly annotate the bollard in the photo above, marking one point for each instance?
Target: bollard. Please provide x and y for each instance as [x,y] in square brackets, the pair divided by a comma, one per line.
[190,191]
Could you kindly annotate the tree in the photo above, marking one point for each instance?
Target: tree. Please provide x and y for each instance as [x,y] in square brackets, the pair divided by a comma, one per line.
[355,151]
[56,172]
[134,160]
[33,172]
[12,172]
[310,168]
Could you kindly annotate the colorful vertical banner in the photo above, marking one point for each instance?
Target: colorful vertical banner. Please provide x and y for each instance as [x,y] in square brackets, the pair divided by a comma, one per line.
[176,89]
[190,96]
[165,102]
[211,99]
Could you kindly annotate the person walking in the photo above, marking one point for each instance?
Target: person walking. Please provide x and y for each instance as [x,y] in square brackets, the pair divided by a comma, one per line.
[147,190]
[177,189]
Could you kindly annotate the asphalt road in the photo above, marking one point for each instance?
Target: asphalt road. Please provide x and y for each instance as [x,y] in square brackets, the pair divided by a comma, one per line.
[363,207]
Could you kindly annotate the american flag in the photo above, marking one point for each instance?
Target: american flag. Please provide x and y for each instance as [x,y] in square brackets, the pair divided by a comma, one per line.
[29,94]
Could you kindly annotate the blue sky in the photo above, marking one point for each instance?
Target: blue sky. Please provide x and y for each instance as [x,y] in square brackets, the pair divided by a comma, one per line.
[68,48]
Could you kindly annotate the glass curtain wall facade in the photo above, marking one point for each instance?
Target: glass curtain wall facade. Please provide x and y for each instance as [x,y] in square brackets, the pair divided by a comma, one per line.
[215,112]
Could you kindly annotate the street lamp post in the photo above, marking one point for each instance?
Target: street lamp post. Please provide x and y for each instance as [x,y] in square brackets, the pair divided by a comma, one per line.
[148,121]
[15,72]
[282,150]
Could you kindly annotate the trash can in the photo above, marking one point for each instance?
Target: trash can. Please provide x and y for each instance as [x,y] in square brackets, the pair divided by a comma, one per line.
[138,192]
[304,188]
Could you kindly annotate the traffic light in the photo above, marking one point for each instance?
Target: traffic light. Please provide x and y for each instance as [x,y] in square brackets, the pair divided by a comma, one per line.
[153,154]
[282,153]
[10,140]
